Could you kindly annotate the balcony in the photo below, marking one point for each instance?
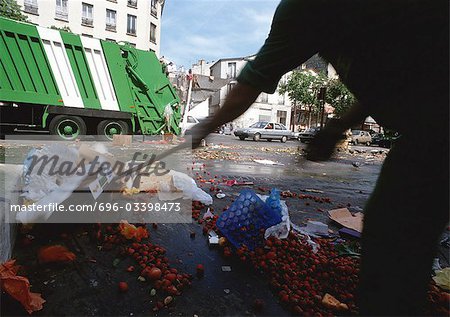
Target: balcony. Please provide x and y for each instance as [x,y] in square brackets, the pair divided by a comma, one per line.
[61,14]
[30,7]
[154,11]
[87,22]
[110,27]
[132,3]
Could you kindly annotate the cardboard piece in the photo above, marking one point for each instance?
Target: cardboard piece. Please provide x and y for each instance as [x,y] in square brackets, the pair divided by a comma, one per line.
[122,140]
[344,217]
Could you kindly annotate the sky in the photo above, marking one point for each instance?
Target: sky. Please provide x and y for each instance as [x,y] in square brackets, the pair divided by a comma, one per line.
[214,29]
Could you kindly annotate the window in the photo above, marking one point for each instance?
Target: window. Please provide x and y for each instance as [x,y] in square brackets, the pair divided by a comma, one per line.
[132,3]
[131,24]
[231,70]
[110,40]
[87,35]
[152,33]
[132,44]
[278,127]
[154,9]
[87,14]
[61,10]
[230,86]
[191,119]
[281,116]
[30,6]
[111,20]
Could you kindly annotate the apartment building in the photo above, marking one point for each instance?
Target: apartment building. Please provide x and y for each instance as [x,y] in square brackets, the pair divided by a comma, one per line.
[274,107]
[135,21]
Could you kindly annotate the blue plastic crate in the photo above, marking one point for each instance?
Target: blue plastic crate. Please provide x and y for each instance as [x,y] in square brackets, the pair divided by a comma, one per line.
[247,216]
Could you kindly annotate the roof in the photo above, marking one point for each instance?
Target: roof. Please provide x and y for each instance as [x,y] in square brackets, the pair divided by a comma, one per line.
[246,58]
[210,83]
[206,86]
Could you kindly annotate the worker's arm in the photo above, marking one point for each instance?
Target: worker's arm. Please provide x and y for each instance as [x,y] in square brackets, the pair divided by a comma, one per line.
[322,146]
[239,99]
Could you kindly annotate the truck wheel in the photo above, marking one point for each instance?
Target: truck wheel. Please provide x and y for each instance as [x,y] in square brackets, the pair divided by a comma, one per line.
[67,127]
[283,139]
[242,138]
[257,137]
[107,128]
[356,142]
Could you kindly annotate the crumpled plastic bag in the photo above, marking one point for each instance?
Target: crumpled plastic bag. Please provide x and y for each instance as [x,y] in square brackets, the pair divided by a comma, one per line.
[19,287]
[55,253]
[187,187]
[280,230]
[442,278]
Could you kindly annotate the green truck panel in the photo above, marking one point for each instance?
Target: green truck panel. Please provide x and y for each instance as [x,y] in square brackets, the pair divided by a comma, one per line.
[116,67]
[80,68]
[142,86]
[132,77]
[25,74]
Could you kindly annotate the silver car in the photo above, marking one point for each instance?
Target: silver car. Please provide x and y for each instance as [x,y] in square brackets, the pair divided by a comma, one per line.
[361,137]
[264,130]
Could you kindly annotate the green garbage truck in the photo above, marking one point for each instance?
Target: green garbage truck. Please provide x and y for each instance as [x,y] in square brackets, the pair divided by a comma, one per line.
[70,85]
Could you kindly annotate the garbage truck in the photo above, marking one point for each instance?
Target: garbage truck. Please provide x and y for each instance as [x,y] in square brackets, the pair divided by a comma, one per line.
[69,85]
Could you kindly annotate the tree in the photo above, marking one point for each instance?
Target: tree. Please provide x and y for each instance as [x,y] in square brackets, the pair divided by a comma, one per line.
[339,97]
[302,88]
[10,9]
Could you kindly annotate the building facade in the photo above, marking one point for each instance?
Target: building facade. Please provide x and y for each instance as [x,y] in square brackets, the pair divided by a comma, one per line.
[135,21]
[274,107]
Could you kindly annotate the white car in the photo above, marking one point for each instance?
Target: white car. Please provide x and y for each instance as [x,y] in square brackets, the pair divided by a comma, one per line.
[191,121]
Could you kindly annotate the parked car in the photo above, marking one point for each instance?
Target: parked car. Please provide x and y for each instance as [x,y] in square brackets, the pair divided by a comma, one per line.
[264,130]
[295,135]
[385,140]
[361,137]
[190,122]
[308,134]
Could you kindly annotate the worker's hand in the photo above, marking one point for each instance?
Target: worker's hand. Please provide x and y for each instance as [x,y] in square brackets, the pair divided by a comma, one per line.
[199,131]
[322,146]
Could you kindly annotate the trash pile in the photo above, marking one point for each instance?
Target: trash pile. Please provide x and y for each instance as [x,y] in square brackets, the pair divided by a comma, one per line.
[311,272]
[216,155]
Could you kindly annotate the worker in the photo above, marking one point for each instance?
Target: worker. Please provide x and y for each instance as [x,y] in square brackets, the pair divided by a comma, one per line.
[393,55]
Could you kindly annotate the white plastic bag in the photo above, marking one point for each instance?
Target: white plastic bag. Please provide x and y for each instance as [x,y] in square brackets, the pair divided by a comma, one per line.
[187,187]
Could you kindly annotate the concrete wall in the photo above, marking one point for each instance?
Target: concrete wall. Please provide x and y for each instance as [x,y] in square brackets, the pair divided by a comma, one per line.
[201,110]
[46,17]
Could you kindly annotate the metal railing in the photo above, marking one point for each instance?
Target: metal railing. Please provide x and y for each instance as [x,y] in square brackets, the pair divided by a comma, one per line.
[154,11]
[110,27]
[87,21]
[30,7]
[61,14]
[132,3]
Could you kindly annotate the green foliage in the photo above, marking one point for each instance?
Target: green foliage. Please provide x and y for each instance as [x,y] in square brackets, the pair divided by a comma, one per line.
[10,9]
[64,28]
[302,87]
[339,97]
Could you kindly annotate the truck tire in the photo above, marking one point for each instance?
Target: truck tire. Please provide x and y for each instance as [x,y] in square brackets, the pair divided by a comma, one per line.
[68,128]
[107,128]
[283,139]
[257,137]
[242,138]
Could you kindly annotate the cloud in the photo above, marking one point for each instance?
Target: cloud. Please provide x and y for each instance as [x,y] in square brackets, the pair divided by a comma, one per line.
[214,29]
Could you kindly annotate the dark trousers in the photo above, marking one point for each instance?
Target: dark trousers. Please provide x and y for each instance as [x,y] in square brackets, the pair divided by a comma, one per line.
[403,220]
